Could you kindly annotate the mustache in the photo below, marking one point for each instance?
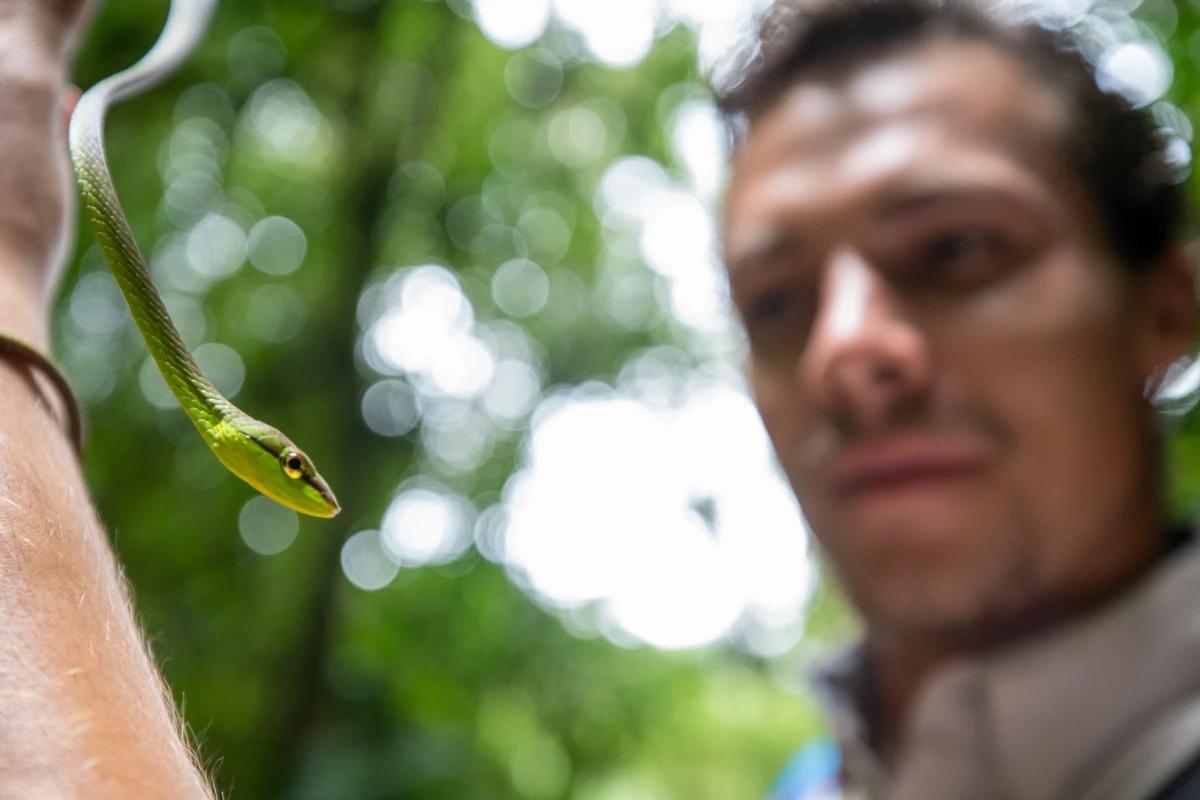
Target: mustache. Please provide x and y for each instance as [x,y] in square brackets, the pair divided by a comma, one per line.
[915,416]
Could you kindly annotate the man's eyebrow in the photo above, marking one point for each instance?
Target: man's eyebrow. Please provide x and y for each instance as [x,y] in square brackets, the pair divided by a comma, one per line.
[918,200]
[768,245]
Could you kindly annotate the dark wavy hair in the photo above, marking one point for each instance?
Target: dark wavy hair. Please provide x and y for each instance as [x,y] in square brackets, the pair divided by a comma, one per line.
[1117,150]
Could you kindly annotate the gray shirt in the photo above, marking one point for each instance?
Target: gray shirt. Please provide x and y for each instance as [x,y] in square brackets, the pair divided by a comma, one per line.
[1106,707]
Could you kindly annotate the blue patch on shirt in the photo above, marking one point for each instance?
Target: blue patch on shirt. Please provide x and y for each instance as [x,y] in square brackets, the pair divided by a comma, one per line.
[812,773]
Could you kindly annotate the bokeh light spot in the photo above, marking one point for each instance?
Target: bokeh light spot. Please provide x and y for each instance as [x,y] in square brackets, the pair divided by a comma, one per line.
[274,313]
[216,246]
[96,304]
[520,287]
[547,232]
[277,245]
[256,54]
[427,525]
[618,33]
[534,78]
[457,436]
[364,562]
[514,390]
[577,136]
[222,365]
[153,387]
[287,123]
[428,334]
[512,24]
[390,408]
[266,527]
[1140,70]
[677,522]
[188,316]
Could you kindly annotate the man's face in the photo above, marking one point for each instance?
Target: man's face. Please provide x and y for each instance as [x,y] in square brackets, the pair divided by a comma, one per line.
[948,360]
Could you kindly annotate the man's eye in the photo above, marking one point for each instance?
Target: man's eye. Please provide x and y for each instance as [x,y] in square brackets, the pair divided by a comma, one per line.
[963,250]
[770,307]
[778,320]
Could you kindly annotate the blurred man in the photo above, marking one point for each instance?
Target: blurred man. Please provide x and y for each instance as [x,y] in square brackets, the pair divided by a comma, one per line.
[960,269]
[83,712]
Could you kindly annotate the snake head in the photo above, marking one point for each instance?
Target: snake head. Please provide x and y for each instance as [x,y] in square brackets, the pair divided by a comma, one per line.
[271,463]
[307,491]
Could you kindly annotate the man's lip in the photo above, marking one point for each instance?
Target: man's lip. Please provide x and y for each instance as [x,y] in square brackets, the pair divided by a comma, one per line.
[901,460]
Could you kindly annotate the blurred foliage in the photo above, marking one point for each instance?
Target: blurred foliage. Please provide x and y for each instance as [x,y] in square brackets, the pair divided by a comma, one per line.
[449,682]
[1178,27]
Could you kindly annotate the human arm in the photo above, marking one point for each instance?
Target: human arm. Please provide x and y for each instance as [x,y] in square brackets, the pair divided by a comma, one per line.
[83,711]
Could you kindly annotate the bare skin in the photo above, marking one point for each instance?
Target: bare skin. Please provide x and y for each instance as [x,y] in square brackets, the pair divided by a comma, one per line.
[948,359]
[85,713]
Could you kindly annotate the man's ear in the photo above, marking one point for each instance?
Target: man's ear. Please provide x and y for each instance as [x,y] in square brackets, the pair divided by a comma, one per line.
[1170,316]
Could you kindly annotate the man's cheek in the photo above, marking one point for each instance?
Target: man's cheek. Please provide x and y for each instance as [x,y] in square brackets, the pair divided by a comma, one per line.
[780,410]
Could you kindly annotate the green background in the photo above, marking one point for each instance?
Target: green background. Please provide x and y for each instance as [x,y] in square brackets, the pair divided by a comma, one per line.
[450,682]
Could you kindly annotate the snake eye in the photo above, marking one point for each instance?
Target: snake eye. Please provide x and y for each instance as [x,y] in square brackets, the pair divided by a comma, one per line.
[293,467]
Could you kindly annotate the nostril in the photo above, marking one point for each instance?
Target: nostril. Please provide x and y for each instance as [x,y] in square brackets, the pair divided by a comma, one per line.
[886,373]
[869,385]
[863,375]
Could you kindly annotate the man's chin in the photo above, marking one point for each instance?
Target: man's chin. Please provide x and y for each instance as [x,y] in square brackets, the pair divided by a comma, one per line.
[943,581]
[914,539]
[970,609]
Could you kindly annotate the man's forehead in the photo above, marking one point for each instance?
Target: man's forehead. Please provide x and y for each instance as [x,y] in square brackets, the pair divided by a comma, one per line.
[971,83]
[924,105]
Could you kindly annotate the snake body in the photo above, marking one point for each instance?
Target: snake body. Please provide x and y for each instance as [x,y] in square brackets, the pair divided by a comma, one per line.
[254,451]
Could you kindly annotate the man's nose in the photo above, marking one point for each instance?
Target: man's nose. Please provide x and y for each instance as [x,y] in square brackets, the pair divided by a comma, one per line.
[865,357]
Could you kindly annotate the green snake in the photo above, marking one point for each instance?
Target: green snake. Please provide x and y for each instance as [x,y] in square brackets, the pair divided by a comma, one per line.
[254,451]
